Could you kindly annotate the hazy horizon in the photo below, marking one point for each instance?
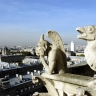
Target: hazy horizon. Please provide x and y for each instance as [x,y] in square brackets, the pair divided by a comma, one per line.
[23,21]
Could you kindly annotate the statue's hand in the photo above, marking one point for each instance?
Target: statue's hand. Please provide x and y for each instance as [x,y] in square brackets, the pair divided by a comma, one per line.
[41,53]
[42,57]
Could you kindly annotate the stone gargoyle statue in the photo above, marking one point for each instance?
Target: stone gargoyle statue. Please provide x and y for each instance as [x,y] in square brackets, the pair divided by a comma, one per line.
[55,53]
[88,33]
[56,79]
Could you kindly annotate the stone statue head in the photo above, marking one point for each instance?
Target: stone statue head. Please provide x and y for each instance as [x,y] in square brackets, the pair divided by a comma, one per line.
[87,33]
[42,46]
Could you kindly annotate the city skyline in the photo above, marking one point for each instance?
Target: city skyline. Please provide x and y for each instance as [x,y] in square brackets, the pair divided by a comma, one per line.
[23,21]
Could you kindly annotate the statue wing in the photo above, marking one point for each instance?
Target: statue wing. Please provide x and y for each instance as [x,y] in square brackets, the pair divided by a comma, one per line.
[56,40]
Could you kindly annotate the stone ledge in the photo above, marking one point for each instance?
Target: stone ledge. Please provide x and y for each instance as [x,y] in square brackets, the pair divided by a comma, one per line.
[70,78]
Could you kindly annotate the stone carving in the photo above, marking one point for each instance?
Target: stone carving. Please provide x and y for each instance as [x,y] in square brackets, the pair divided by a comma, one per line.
[62,83]
[55,52]
[88,33]
[69,84]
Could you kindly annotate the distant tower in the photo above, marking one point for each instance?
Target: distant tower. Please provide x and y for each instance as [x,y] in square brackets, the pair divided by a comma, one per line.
[5,51]
[72,46]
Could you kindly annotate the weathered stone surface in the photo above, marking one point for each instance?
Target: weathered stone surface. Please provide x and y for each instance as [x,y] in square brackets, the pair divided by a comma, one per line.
[41,94]
[71,78]
[56,54]
[88,33]
[70,84]
[57,81]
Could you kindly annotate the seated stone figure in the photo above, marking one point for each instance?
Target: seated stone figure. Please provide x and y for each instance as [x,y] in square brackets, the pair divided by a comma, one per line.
[55,52]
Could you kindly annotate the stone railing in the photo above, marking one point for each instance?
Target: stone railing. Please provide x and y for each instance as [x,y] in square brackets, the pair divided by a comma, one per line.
[67,85]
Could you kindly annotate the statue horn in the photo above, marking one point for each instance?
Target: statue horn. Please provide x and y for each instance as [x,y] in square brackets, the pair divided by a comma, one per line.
[42,37]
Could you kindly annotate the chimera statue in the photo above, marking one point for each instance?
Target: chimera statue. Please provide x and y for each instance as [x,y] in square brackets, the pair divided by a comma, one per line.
[55,52]
[56,79]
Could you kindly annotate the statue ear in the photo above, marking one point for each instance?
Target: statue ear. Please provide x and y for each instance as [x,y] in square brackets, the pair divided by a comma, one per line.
[42,37]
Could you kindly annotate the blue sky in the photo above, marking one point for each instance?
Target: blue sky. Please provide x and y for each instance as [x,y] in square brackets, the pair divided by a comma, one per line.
[23,21]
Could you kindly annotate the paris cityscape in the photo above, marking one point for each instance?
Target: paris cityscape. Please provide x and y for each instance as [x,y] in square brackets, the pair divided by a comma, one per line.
[18,64]
[21,69]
